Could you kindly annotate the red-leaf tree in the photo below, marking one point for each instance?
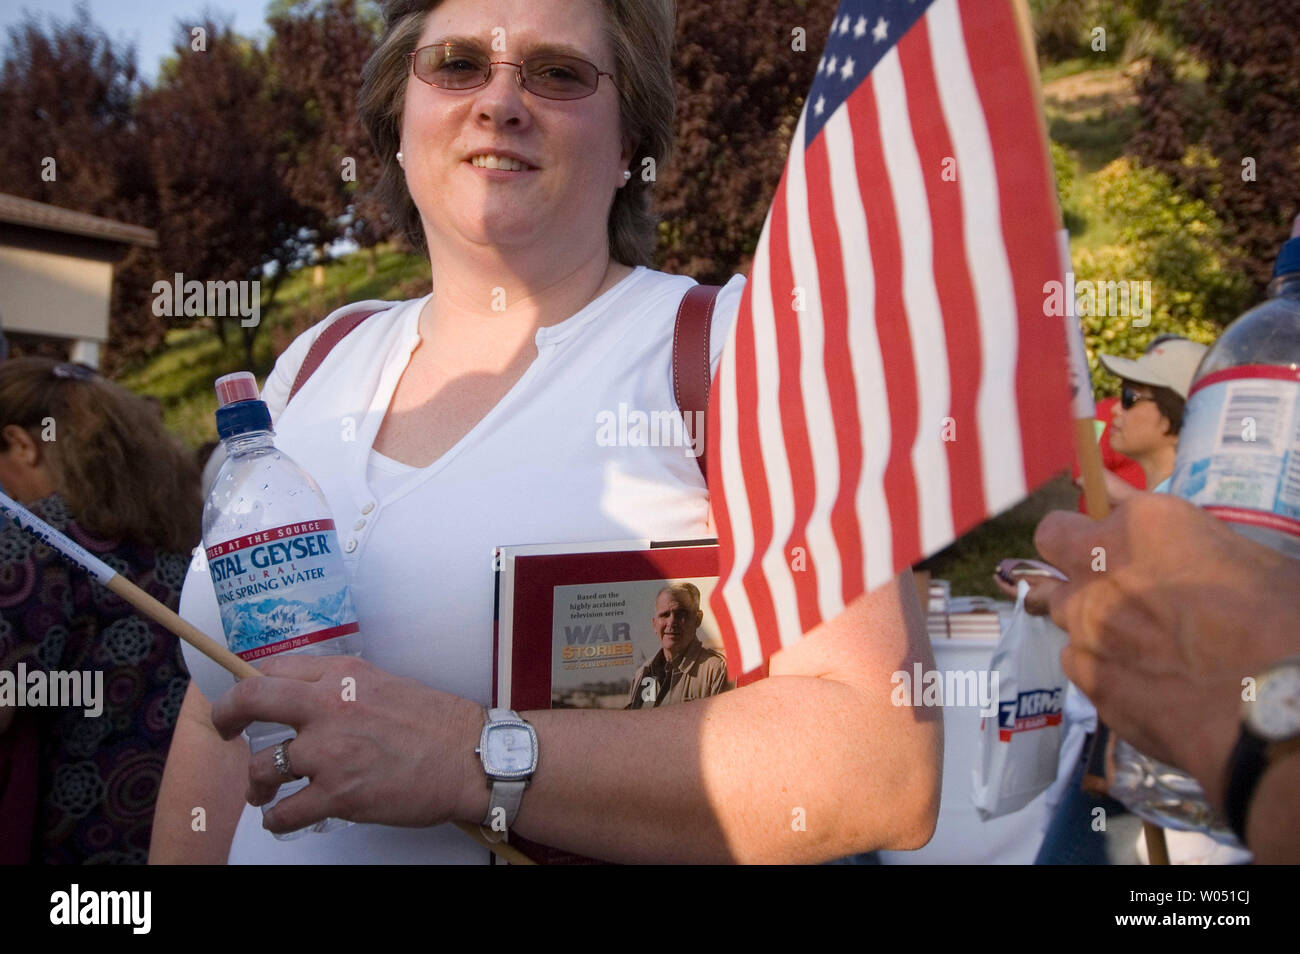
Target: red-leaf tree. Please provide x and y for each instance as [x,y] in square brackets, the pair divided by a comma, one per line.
[743,68]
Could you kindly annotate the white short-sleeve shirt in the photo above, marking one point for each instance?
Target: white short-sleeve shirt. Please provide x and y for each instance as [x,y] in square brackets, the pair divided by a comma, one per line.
[418,542]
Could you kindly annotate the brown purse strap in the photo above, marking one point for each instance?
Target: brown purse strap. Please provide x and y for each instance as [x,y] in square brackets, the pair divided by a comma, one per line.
[325,343]
[691,371]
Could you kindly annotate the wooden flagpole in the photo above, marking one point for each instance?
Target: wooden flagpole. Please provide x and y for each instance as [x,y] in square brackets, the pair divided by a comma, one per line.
[165,617]
[1089,457]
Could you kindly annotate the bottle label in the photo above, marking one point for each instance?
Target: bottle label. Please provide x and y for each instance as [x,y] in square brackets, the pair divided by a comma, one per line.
[281,589]
[1239,448]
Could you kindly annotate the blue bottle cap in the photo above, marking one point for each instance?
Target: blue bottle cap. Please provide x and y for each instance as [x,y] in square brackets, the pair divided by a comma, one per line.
[1288,260]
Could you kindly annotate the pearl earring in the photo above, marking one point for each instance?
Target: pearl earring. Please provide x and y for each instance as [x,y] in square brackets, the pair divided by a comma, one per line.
[626,175]
[399,157]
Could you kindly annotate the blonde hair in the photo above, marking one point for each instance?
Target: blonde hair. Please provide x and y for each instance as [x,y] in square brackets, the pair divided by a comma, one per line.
[641,35]
[687,594]
[123,476]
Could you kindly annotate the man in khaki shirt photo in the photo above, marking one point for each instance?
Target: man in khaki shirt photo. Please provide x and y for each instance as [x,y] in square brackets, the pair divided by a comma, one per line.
[683,669]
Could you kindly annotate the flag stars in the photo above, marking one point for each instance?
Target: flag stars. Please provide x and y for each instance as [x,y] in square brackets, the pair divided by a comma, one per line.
[819,107]
[844,25]
[860,28]
[830,66]
[847,69]
[881,31]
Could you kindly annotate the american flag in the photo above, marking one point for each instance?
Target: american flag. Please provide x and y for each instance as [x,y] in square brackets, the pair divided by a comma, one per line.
[892,378]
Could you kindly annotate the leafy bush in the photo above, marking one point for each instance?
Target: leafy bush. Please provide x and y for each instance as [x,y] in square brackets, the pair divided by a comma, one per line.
[1064,28]
[1170,240]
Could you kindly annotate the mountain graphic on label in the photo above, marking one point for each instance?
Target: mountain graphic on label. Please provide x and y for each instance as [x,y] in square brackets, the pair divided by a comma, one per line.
[249,625]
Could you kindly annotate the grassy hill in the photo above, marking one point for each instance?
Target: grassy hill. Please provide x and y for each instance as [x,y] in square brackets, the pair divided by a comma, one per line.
[181,375]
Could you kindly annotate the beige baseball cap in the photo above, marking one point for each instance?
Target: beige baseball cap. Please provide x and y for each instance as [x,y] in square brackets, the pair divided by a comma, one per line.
[1171,364]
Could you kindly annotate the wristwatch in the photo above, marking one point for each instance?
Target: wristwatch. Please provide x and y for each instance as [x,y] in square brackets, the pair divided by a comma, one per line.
[508,750]
[1270,728]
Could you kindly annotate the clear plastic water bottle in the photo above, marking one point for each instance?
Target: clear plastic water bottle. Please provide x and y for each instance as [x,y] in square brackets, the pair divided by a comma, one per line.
[273,555]
[1239,458]
[1239,450]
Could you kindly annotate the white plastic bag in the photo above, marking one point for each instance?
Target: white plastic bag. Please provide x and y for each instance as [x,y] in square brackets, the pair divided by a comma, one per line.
[1019,749]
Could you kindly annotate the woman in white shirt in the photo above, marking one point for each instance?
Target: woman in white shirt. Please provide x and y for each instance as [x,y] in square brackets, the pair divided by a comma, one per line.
[467,419]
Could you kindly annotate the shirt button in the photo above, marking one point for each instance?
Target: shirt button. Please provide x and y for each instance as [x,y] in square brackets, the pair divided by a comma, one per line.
[358,525]
[351,545]
[368,507]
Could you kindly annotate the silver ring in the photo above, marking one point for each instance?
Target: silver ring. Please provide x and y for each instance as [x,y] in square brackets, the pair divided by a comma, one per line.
[282,759]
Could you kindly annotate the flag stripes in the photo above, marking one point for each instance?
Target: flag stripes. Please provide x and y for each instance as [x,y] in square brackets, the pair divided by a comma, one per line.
[891,379]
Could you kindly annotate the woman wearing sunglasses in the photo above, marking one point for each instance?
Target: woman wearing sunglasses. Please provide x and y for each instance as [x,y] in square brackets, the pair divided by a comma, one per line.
[92,460]
[1153,393]
[521,140]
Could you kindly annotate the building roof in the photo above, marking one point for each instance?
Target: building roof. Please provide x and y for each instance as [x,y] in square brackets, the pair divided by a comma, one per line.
[38,215]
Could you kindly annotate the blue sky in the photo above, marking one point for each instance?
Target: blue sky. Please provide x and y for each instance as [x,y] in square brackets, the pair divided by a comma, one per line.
[149,24]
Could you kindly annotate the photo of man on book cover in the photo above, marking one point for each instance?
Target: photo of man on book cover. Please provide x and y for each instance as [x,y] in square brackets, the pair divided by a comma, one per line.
[683,669]
[635,645]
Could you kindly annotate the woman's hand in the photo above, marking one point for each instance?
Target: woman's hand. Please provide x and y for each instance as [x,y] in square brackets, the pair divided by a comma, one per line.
[1038,599]
[376,747]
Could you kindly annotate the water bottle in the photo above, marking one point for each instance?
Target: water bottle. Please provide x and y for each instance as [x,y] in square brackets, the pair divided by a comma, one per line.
[1239,450]
[273,555]
[1239,458]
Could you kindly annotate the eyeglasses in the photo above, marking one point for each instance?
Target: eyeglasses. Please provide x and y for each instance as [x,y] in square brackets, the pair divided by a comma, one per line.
[1128,397]
[73,371]
[548,75]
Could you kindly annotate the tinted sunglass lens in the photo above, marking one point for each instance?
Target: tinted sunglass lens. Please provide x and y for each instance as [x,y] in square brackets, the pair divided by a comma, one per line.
[449,67]
[560,77]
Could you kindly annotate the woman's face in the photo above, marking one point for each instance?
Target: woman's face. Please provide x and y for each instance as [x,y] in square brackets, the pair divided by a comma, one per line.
[1142,429]
[572,150]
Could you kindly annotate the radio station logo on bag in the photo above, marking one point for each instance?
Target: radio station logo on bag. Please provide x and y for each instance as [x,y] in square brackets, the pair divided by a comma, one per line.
[1034,709]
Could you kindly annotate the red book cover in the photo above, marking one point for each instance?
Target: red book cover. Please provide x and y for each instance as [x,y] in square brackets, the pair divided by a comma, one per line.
[587,626]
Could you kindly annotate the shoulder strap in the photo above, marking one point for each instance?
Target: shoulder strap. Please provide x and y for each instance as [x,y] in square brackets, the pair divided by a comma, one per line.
[691,372]
[325,343]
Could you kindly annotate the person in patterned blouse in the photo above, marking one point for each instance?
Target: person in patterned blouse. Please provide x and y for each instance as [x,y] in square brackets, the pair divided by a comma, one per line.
[94,461]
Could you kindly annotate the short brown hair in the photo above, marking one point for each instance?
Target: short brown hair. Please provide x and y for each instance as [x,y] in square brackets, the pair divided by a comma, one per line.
[641,35]
[123,476]
[1167,401]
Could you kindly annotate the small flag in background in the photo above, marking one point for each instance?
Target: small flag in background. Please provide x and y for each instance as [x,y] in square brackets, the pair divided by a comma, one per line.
[891,379]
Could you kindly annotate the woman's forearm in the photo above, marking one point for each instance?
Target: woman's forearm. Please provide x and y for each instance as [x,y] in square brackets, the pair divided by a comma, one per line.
[202,791]
[803,766]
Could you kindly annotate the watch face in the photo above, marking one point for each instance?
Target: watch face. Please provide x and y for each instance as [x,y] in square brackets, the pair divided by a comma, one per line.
[1275,714]
[509,751]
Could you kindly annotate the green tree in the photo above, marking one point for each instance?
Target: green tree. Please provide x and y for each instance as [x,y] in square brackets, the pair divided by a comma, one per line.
[1172,241]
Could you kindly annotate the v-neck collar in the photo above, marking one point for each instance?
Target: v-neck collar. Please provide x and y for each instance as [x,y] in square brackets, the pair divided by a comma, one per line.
[396,364]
